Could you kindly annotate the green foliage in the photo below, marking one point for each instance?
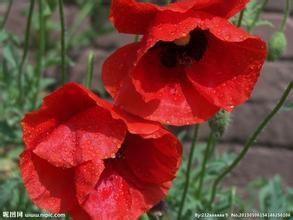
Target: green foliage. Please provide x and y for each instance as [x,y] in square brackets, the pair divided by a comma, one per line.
[14,197]
[251,18]
[197,205]
[265,195]
[273,196]
[12,109]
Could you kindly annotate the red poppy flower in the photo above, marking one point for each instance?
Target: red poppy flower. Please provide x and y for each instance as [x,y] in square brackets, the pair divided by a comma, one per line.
[88,159]
[190,63]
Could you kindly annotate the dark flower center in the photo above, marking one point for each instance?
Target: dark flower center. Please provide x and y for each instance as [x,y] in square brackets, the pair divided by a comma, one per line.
[173,55]
[121,152]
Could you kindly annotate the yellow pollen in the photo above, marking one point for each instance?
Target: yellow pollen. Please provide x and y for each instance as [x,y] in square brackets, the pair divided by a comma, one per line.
[183,41]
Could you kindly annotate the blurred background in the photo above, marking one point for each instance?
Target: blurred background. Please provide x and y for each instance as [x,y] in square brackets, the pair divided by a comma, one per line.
[88,30]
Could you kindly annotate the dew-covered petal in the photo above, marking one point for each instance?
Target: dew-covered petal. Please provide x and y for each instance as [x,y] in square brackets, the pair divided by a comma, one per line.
[227,78]
[136,125]
[153,160]
[131,16]
[224,9]
[73,126]
[111,199]
[119,195]
[192,109]
[91,134]
[57,107]
[87,176]
[117,66]
[49,187]
[179,103]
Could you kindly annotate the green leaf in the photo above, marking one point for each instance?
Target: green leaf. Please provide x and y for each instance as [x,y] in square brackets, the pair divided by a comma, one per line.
[9,56]
[3,36]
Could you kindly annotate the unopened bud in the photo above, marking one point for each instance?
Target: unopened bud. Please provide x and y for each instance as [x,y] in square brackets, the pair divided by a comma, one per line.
[219,123]
[277,46]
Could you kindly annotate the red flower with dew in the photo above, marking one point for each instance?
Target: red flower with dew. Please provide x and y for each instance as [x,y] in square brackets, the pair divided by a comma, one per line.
[87,158]
[190,63]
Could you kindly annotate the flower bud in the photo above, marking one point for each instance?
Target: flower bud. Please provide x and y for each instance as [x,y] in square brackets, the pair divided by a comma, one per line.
[277,46]
[219,123]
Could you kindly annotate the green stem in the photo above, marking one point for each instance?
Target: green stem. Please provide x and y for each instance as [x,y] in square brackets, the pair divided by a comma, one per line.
[25,50]
[6,14]
[257,16]
[210,144]
[287,12]
[63,48]
[189,165]
[41,50]
[250,141]
[90,69]
[240,18]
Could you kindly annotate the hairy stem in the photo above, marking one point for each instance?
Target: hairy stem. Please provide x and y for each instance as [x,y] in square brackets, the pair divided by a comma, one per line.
[63,47]
[188,170]
[41,50]
[240,18]
[90,69]
[286,15]
[210,144]
[250,141]
[6,15]
[25,49]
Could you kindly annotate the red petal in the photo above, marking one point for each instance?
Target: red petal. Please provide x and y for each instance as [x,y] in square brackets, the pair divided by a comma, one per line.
[124,191]
[117,196]
[90,134]
[144,195]
[153,160]
[116,67]
[177,103]
[115,70]
[234,86]
[227,79]
[130,16]
[136,125]
[80,214]
[49,187]
[164,30]
[193,108]
[57,107]
[86,177]
[81,130]
[226,10]
[111,199]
